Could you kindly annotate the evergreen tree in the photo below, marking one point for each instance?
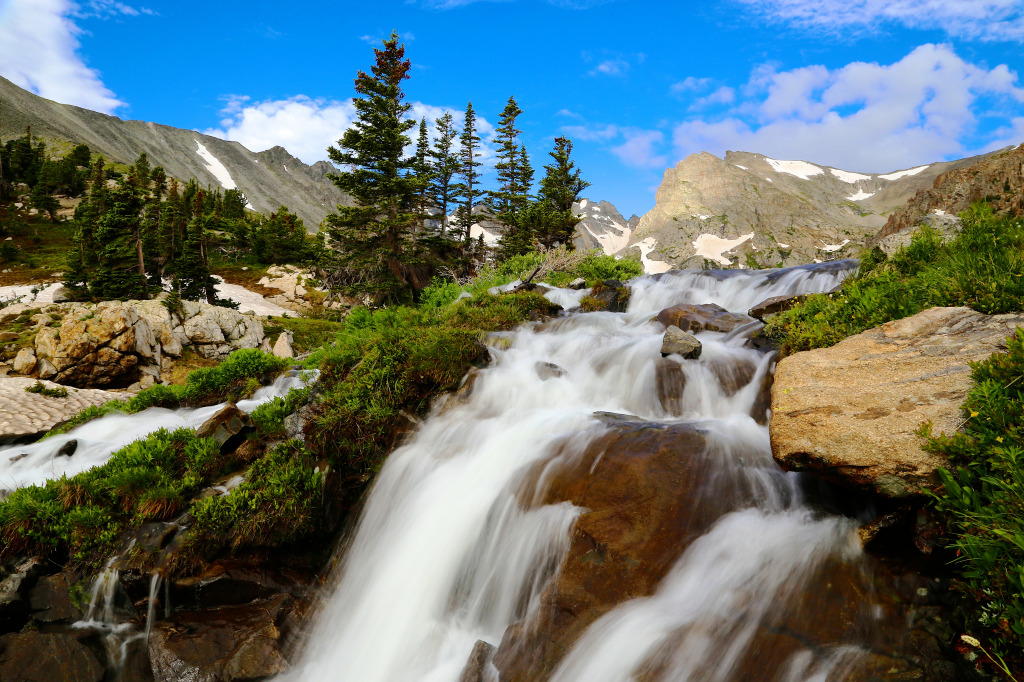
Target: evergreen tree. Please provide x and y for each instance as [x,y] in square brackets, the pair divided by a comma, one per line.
[372,241]
[505,200]
[423,170]
[550,220]
[445,166]
[192,279]
[118,273]
[467,190]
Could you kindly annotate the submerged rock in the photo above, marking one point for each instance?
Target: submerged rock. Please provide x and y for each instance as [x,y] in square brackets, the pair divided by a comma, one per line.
[851,413]
[476,666]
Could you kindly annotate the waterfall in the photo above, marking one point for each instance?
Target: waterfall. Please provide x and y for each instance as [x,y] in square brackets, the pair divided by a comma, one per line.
[455,544]
[97,440]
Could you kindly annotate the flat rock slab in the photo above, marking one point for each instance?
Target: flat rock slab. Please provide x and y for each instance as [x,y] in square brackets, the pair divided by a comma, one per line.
[850,412]
[24,414]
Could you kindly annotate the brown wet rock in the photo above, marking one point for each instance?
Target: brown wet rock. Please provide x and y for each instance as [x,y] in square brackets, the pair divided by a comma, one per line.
[476,667]
[770,307]
[670,382]
[51,601]
[642,487]
[678,342]
[229,643]
[226,427]
[697,318]
[47,657]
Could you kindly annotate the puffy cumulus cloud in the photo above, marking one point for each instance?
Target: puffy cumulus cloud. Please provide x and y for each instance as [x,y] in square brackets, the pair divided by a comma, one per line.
[1000,20]
[306,127]
[867,116]
[39,52]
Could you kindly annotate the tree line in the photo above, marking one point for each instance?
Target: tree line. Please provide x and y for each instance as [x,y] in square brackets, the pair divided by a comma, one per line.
[398,234]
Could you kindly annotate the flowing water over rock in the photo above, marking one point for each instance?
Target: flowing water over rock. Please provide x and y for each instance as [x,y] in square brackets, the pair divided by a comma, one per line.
[92,443]
[591,511]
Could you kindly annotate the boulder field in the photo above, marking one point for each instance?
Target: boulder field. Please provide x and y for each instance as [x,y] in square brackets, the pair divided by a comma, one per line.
[116,344]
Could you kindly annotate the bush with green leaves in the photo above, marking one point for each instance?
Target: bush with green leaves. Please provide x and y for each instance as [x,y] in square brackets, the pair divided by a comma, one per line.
[982,497]
[83,516]
[982,268]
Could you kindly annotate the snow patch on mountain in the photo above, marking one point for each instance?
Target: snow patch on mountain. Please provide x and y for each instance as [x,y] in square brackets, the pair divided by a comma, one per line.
[903,173]
[651,267]
[833,247]
[847,176]
[860,195]
[214,165]
[714,247]
[800,169]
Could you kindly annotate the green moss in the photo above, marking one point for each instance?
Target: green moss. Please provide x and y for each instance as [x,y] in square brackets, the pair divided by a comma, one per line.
[40,389]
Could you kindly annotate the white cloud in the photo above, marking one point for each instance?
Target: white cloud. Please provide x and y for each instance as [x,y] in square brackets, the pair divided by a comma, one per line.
[688,84]
[641,149]
[611,67]
[972,19]
[39,52]
[589,133]
[723,95]
[306,127]
[868,117]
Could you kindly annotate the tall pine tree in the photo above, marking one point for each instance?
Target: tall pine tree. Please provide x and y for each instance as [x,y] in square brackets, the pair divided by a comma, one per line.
[468,190]
[445,165]
[505,199]
[550,220]
[372,241]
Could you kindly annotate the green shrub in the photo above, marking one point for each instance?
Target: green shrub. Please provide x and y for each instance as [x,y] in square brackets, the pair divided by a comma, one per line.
[40,389]
[982,268]
[982,497]
[278,502]
[84,516]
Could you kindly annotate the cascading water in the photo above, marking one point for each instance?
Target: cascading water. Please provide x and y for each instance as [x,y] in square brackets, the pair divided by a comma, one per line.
[97,440]
[453,545]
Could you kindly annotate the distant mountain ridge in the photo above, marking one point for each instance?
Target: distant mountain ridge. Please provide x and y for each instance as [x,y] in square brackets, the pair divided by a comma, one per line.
[750,210]
[268,178]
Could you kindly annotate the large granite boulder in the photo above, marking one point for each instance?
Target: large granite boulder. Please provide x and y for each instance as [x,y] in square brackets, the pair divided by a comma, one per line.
[850,413]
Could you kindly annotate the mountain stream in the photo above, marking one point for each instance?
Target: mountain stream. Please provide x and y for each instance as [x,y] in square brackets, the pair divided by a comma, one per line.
[597,513]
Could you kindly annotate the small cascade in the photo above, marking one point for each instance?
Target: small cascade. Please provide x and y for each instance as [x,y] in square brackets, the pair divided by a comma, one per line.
[462,546]
[97,440]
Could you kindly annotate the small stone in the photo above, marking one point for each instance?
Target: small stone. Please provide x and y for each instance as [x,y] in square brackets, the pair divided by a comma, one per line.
[548,370]
[678,341]
[283,346]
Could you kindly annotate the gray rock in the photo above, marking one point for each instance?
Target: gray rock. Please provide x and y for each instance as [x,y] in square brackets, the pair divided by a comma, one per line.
[25,361]
[679,342]
[283,346]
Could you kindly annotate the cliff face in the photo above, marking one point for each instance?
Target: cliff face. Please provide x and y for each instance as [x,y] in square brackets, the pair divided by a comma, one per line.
[268,179]
[997,178]
[749,210]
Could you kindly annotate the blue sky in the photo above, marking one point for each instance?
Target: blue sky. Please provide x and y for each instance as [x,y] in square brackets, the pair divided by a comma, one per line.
[863,85]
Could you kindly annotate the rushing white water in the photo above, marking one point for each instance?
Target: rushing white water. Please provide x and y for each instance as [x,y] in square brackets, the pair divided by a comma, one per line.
[445,554]
[97,440]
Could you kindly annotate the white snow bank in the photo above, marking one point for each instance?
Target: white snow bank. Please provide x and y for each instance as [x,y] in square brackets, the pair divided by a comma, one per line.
[903,173]
[214,165]
[651,267]
[939,211]
[699,216]
[847,176]
[800,169]
[833,247]
[30,293]
[860,195]
[249,301]
[714,247]
[739,166]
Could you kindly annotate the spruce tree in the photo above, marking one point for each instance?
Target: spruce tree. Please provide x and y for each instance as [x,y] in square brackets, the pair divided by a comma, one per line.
[424,171]
[372,241]
[467,190]
[550,220]
[117,272]
[504,200]
[445,166]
